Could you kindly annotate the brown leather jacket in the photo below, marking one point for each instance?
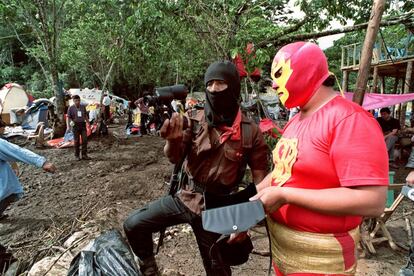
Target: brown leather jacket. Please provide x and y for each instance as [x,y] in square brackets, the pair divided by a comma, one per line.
[218,168]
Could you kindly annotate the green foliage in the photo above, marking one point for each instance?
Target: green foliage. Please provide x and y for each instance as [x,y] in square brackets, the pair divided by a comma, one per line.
[154,42]
[272,137]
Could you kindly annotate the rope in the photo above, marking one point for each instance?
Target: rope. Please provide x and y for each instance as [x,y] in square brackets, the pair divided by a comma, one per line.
[339,84]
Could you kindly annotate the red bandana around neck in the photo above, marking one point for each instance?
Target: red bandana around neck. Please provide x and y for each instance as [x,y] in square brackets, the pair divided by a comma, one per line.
[232,132]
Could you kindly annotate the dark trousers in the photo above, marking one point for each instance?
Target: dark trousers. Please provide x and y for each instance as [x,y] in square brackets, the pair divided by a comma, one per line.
[79,130]
[7,201]
[164,212]
[107,113]
[143,127]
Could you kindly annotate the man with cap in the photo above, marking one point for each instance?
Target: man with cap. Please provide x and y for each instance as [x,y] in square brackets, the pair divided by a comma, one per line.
[215,162]
[331,169]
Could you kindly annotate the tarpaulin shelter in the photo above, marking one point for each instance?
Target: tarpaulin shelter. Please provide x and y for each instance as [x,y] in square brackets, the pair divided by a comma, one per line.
[37,112]
[92,98]
[375,100]
[88,96]
[12,96]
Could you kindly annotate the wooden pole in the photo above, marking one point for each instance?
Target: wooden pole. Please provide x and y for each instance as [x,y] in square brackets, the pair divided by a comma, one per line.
[375,80]
[382,84]
[355,54]
[396,81]
[407,85]
[408,75]
[345,81]
[367,48]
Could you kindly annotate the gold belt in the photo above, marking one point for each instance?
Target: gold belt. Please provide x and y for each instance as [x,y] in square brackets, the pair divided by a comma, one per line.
[304,252]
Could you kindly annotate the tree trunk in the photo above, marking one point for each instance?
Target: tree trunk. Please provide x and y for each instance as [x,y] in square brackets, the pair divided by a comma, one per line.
[407,86]
[396,81]
[367,48]
[375,80]
[383,84]
[59,124]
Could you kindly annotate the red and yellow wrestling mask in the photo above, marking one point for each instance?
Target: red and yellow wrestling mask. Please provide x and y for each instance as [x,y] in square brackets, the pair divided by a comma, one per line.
[298,70]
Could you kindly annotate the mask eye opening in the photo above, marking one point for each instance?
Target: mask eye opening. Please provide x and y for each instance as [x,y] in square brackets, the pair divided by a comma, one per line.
[278,73]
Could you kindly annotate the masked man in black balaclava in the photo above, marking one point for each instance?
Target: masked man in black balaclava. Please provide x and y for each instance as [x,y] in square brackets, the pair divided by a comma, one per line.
[215,162]
[222,94]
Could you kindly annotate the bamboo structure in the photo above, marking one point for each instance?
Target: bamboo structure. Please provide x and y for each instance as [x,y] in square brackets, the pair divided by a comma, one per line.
[387,61]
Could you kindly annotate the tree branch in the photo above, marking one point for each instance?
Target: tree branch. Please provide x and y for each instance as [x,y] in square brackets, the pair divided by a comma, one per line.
[26,48]
[403,19]
[294,27]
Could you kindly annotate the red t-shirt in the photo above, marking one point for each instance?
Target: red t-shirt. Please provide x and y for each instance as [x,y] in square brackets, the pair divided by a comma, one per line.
[340,145]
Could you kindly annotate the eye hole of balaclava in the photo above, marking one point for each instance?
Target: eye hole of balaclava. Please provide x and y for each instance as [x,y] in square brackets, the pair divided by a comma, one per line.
[221,107]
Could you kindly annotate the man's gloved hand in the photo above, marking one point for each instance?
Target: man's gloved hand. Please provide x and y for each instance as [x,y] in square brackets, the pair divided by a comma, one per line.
[172,129]
[237,237]
[410,178]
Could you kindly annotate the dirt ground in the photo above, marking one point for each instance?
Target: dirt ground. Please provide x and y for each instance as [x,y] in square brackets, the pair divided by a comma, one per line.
[124,174]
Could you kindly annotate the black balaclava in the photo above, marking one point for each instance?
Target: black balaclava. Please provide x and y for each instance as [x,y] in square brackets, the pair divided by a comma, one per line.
[222,107]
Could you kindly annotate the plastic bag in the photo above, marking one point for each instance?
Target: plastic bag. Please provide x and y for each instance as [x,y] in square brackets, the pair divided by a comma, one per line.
[408,269]
[107,255]
[6,259]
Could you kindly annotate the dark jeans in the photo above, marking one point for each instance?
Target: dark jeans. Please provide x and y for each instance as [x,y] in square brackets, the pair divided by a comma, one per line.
[7,201]
[143,127]
[79,130]
[164,212]
[107,113]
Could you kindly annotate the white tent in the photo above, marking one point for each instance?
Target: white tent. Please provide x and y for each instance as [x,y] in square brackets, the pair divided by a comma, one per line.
[12,96]
[88,96]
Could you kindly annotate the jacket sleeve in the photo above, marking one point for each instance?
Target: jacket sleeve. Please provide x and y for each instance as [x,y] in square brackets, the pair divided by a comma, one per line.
[12,153]
[259,154]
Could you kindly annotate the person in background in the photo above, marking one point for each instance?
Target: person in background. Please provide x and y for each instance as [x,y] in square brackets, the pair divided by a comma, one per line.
[390,127]
[10,188]
[130,113]
[106,102]
[78,119]
[143,108]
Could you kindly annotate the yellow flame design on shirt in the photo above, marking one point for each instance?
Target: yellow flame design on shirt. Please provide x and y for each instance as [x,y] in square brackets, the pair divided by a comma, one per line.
[284,156]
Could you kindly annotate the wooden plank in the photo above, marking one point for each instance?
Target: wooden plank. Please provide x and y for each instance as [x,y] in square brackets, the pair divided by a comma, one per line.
[355,51]
[342,57]
[396,187]
[347,56]
[395,62]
